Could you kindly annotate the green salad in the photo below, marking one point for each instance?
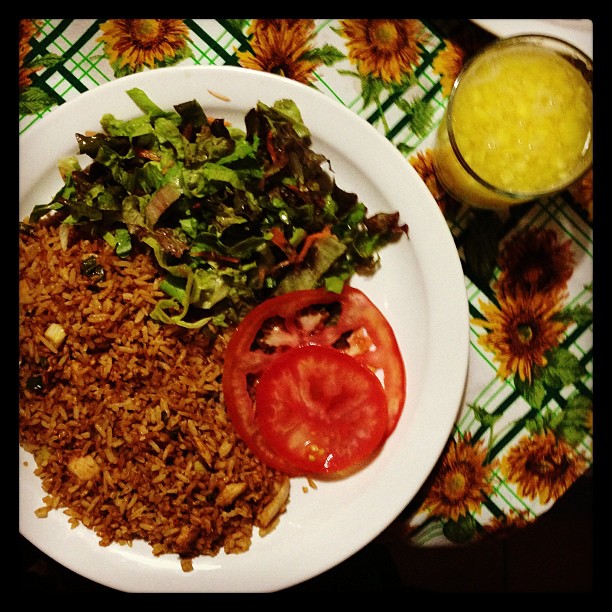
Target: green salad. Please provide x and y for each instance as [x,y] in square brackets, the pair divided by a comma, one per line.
[232,216]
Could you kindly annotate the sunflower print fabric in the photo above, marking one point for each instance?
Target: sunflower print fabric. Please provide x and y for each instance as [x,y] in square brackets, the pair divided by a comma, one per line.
[524,433]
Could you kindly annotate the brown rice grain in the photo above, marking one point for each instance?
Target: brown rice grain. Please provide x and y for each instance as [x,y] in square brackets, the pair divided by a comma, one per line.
[143,400]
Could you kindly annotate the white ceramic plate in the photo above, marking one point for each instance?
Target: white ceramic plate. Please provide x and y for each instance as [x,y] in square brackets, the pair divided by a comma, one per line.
[420,288]
[578,32]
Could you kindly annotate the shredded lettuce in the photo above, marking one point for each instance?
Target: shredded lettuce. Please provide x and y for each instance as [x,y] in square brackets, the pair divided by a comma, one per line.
[232,216]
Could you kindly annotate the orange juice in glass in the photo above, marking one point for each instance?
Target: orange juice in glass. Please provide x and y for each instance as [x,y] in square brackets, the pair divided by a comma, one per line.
[519,123]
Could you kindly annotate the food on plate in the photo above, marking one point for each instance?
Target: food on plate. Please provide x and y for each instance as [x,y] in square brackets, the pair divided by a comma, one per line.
[233,216]
[348,323]
[139,284]
[124,419]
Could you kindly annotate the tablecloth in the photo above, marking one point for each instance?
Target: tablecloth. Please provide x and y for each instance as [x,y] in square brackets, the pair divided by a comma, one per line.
[524,432]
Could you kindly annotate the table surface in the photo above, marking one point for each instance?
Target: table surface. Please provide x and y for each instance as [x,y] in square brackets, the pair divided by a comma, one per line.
[523,434]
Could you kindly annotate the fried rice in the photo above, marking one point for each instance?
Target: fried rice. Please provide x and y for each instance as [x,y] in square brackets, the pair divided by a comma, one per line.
[124,416]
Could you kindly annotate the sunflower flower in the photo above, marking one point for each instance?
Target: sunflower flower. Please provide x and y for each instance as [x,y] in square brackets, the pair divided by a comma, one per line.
[281,46]
[27,29]
[134,44]
[582,192]
[534,260]
[542,466]
[448,64]
[521,330]
[462,482]
[422,162]
[386,49]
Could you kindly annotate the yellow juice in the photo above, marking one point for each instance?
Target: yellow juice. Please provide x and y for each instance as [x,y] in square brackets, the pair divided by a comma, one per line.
[521,117]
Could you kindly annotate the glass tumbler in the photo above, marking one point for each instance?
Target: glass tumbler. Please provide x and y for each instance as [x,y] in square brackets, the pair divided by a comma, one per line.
[519,123]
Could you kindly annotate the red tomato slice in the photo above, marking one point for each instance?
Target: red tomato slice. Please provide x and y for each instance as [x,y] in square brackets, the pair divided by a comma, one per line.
[321,409]
[348,322]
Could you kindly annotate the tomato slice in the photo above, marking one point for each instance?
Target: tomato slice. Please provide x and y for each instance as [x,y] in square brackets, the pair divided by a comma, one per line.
[321,409]
[347,322]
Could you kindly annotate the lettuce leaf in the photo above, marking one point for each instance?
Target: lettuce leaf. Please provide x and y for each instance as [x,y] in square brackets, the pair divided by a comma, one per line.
[231,216]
